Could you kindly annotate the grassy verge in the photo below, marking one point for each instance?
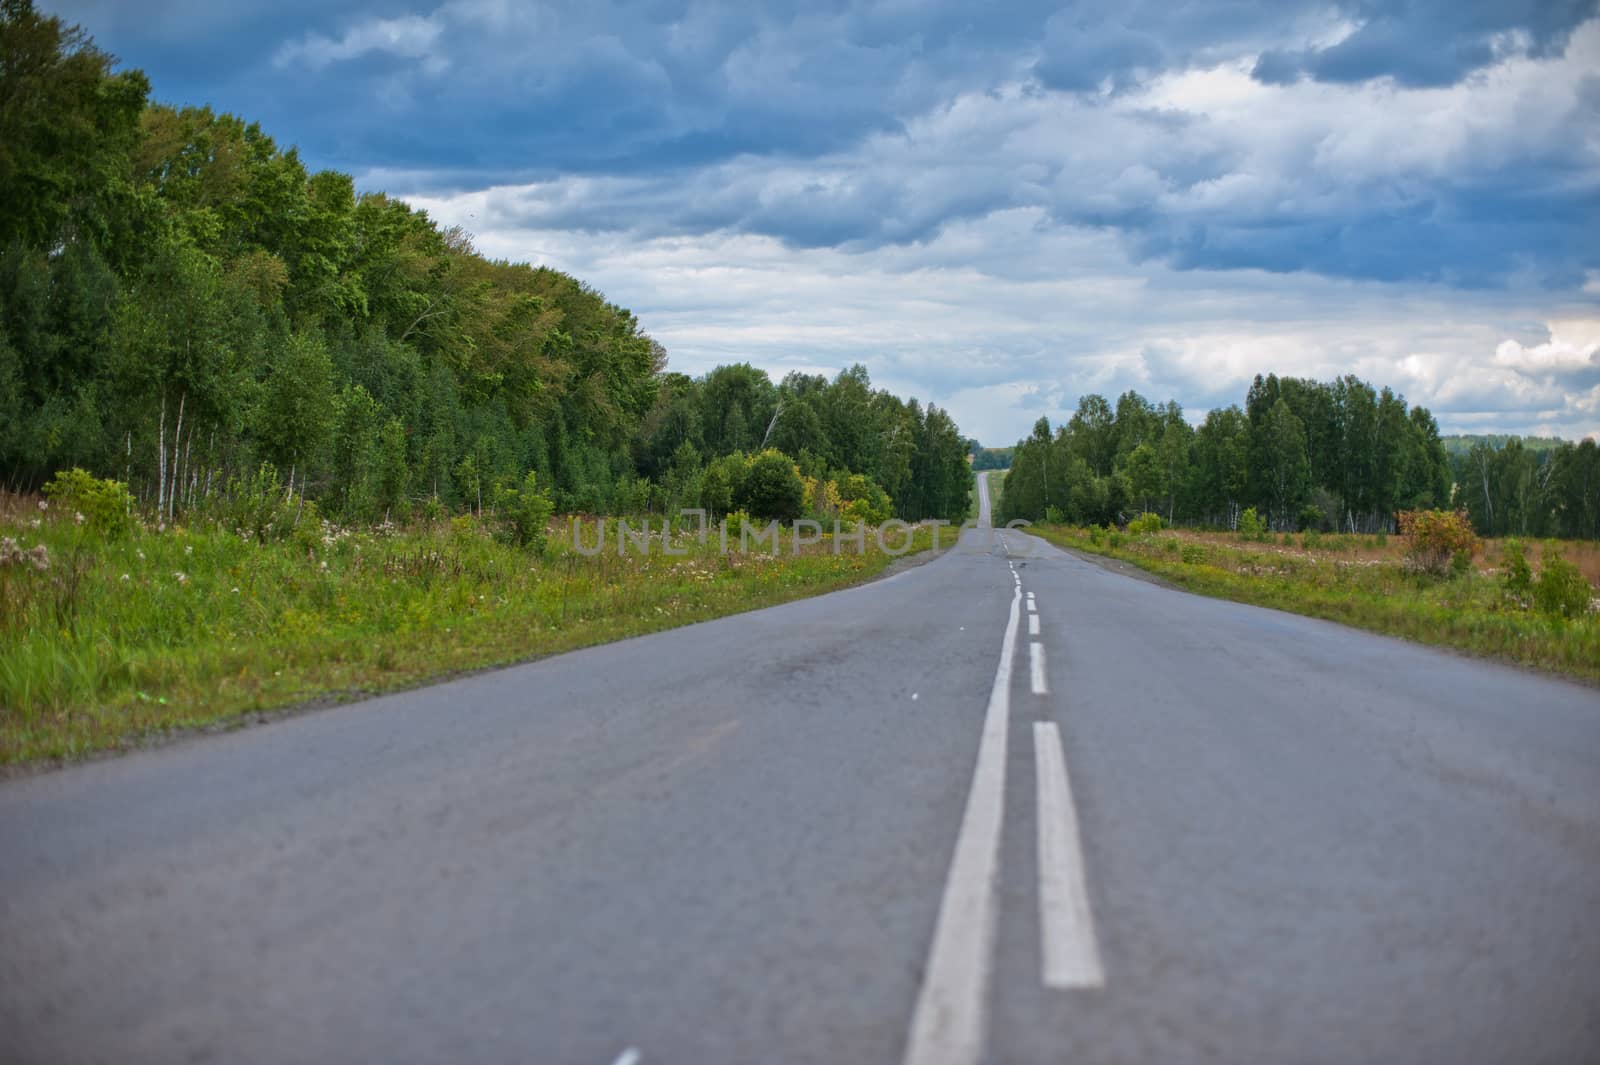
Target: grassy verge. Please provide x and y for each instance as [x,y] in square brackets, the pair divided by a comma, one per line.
[1468,612]
[123,638]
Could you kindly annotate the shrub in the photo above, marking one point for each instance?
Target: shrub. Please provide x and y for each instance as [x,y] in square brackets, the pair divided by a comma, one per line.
[1054,516]
[1251,527]
[772,488]
[1516,576]
[864,500]
[1561,590]
[1145,523]
[736,522]
[1311,517]
[258,505]
[1115,538]
[1434,537]
[106,506]
[1312,540]
[1097,535]
[1193,554]
[522,514]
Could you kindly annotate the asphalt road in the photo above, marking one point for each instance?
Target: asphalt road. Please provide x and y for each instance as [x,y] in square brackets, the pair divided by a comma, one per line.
[1006,806]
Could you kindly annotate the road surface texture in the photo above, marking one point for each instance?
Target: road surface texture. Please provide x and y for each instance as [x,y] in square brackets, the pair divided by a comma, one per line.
[1003,807]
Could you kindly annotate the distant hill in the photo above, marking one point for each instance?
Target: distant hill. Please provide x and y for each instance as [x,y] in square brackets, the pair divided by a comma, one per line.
[1462,443]
[991,458]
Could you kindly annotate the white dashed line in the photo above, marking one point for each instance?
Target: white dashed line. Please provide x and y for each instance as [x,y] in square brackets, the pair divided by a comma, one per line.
[1070,953]
[628,1057]
[1036,668]
[1033,624]
[949,1022]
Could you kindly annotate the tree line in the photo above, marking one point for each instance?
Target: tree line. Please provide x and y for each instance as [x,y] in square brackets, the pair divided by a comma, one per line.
[1328,455]
[182,302]
[1336,455]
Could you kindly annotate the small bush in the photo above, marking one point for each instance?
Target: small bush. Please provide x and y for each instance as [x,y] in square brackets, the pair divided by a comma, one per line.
[1115,539]
[736,522]
[1435,537]
[1193,554]
[258,505]
[1097,535]
[1516,576]
[1312,540]
[1251,527]
[1054,516]
[772,487]
[105,505]
[523,513]
[1145,523]
[1561,590]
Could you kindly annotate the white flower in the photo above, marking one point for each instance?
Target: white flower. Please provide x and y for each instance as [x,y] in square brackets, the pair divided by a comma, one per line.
[236,591]
[188,549]
[35,523]
[77,516]
[141,555]
[43,505]
[124,577]
[181,578]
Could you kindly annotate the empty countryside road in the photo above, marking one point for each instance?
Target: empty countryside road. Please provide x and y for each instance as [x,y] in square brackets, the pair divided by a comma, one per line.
[1005,807]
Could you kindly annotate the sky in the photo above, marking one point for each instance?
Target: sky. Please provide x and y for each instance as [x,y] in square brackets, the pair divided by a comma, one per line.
[996,208]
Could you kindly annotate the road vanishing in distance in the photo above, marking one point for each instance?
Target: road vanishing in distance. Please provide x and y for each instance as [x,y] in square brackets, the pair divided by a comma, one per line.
[1006,806]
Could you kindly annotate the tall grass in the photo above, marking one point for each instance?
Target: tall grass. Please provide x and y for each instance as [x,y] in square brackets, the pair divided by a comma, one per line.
[1361,582]
[200,625]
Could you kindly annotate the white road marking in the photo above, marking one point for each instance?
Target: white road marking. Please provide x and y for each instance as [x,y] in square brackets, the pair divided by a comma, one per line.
[1070,952]
[627,1057]
[1030,597]
[1036,668]
[949,1022]
[1031,607]
[1033,624]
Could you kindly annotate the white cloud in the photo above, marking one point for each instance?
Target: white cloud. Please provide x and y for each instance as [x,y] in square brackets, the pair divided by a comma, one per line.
[1573,345]
[408,37]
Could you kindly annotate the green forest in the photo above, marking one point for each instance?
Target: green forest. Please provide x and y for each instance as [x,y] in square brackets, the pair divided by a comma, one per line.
[1304,454]
[185,308]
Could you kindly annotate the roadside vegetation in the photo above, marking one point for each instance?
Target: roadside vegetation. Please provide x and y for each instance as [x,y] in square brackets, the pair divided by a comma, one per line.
[115,628]
[1534,604]
[267,438]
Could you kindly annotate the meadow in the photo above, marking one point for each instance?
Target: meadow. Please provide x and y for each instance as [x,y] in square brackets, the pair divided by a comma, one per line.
[1478,606]
[108,641]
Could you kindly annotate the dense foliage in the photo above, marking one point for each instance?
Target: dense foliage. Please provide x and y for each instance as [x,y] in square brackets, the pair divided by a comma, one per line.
[181,302]
[1530,488]
[1301,454]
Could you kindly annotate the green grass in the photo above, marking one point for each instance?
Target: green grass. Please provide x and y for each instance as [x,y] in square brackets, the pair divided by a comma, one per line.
[1468,612]
[200,626]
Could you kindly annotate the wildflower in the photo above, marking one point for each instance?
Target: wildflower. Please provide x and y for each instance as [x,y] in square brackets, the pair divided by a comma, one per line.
[77,516]
[34,523]
[188,549]
[181,578]
[324,565]
[141,555]
[236,591]
[124,578]
[44,504]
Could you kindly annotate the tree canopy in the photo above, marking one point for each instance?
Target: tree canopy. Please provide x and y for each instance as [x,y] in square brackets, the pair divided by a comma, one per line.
[181,300]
